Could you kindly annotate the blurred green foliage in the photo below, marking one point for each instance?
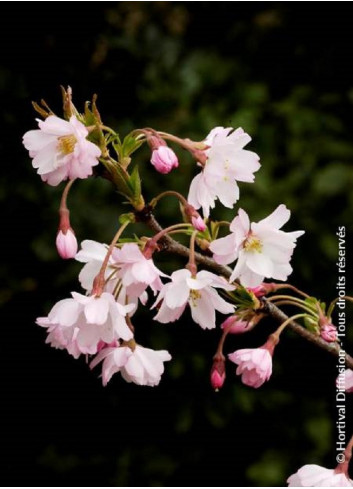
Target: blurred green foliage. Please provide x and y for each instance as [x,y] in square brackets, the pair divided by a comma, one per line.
[281,72]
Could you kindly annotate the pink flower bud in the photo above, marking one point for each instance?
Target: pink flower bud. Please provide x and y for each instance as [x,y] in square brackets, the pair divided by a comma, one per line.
[264,289]
[66,243]
[328,332]
[235,325]
[164,159]
[218,373]
[198,223]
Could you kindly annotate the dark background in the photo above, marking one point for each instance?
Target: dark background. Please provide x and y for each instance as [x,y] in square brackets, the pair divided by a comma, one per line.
[282,71]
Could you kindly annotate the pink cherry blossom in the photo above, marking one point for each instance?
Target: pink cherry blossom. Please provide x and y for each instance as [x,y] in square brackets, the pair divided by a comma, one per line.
[80,324]
[128,265]
[261,249]
[60,150]
[345,381]
[254,365]
[317,476]
[140,365]
[66,244]
[164,159]
[136,271]
[197,291]
[226,164]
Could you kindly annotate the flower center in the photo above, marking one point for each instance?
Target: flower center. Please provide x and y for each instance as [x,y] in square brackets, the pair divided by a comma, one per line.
[252,243]
[67,144]
[194,296]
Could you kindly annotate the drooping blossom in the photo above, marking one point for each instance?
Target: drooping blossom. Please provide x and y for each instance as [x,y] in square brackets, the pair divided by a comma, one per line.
[92,254]
[127,264]
[226,164]
[137,364]
[81,323]
[317,476]
[66,244]
[60,150]
[254,364]
[197,291]
[136,271]
[345,380]
[261,249]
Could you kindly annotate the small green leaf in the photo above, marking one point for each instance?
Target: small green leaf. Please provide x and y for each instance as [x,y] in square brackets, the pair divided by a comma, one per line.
[135,183]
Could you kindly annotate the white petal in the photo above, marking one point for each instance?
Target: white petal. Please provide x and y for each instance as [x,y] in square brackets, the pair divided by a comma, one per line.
[202,312]
[259,263]
[91,250]
[96,311]
[278,217]
[177,295]
[65,312]
[55,126]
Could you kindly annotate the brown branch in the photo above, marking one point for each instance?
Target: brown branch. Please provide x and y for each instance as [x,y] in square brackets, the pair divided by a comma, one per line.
[171,246]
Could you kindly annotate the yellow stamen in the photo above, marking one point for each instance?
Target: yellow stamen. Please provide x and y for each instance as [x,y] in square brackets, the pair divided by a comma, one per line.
[67,144]
[253,244]
[194,296]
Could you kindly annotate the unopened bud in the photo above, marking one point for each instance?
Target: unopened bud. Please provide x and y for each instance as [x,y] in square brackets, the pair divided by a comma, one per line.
[164,159]
[66,243]
[218,372]
[264,289]
[235,325]
[328,332]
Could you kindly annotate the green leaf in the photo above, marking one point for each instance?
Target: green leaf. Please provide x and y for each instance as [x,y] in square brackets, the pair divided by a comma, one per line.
[135,184]
[130,145]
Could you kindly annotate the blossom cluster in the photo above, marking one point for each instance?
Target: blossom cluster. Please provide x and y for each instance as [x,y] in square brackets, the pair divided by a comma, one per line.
[120,277]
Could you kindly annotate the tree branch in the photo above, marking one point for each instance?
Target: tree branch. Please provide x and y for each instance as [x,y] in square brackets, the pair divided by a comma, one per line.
[171,246]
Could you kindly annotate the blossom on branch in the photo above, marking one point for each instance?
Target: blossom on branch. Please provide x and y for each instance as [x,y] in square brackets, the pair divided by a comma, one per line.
[199,292]
[137,364]
[60,150]
[226,164]
[261,249]
[80,324]
[128,265]
[254,364]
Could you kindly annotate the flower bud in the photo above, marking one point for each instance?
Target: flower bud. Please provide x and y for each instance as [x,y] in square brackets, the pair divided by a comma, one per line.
[194,217]
[66,243]
[234,325]
[164,159]
[328,332]
[264,289]
[198,223]
[218,372]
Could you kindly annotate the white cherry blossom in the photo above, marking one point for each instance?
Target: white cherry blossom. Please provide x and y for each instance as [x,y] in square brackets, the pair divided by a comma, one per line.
[81,323]
[261,249]
[227,163]
[140,365]
[199,292]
